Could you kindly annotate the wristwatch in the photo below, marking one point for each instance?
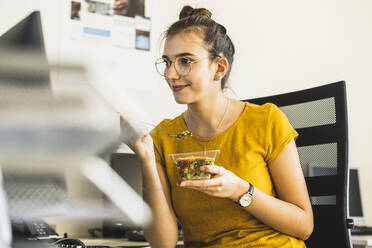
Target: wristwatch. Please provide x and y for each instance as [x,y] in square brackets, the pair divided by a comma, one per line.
[246,199]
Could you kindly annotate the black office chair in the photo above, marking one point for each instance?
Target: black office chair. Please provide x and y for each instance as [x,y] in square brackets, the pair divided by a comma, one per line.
[320,117]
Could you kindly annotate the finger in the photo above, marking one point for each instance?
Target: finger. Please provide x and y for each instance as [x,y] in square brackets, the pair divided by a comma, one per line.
[212,191]
[131,131]
[201,183]
[213,169]
[143,133]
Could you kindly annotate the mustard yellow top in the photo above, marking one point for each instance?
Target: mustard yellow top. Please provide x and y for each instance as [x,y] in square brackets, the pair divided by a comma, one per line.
[246,148]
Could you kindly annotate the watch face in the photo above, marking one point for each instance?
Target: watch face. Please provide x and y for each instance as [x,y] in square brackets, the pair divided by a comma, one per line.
[245,200]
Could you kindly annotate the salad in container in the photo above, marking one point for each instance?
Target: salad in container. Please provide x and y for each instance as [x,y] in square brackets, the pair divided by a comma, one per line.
[188,164]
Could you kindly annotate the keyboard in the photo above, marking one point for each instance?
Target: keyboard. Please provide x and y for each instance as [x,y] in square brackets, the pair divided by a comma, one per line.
[361,230]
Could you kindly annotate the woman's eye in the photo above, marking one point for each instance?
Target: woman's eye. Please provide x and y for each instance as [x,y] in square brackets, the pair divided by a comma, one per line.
[167,63]
[185,61]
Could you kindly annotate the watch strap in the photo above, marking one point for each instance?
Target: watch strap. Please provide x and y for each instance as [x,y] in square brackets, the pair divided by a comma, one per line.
[251,189]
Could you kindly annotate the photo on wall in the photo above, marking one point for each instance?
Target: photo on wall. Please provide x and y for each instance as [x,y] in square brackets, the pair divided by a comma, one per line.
[97,7]
[142,40]
[129,8]
[143,28]
[120,23]
[75,10]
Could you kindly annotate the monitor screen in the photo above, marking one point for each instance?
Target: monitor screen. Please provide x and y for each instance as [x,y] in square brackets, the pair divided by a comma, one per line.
[128,167]
[26,34]
[22,47]
[355,201]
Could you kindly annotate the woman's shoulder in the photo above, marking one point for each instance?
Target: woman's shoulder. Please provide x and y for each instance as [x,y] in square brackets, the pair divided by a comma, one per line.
[264,110]
[168,125]
[267,114]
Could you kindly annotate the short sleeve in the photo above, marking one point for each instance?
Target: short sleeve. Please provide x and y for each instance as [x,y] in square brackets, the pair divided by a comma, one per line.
[279,133]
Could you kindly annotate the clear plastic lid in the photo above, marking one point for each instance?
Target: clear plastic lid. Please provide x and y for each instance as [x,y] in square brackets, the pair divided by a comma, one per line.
[188,164]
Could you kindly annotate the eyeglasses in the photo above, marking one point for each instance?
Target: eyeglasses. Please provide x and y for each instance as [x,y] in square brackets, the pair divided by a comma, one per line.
[182,65]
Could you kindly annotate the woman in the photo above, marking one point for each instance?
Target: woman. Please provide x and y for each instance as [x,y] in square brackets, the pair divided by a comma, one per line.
[257,196]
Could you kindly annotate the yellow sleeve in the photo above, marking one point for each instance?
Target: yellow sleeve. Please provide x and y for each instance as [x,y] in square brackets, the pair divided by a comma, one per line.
[279,133]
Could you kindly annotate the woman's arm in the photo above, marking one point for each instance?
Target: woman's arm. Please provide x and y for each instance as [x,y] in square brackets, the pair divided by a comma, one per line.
[161,230]
[290,213]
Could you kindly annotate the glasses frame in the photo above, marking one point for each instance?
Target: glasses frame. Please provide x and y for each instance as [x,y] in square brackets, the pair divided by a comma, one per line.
[162,60]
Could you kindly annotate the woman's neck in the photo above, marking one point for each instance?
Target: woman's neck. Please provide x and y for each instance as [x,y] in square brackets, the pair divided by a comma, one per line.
[205,118]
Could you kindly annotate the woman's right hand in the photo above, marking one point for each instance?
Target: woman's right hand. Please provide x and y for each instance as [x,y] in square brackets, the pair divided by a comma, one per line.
[139,140]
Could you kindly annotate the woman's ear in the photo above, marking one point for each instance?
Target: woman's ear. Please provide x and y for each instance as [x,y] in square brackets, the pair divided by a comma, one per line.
[222,66]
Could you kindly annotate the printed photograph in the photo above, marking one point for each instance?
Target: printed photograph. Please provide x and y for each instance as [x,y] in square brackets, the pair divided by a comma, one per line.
[142,40]
[75,10]
[129,8]
[98,8]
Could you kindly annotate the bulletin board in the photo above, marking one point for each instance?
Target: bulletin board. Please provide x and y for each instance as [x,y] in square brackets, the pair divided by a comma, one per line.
[122,23]
[113,34]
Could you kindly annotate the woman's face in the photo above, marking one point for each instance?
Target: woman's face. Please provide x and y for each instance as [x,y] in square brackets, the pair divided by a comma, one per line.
[198,83]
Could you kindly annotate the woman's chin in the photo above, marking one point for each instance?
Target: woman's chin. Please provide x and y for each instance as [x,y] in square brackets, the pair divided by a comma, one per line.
[181,100]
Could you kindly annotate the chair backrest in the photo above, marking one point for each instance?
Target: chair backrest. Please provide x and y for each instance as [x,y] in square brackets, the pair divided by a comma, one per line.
[320,117]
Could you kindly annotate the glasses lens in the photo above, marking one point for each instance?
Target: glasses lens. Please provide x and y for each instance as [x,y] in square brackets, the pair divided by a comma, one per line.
[183,66]
[161,66]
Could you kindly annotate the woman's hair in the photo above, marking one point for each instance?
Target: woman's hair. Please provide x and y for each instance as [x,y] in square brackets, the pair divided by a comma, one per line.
[214,34]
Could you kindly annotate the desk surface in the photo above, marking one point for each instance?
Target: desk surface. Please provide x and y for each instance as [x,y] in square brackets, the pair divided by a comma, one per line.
[363,240]
[360,240]
[114,242]
[117,242]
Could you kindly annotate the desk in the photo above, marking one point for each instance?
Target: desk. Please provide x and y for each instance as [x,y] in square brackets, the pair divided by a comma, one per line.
[362,241]
[117,242]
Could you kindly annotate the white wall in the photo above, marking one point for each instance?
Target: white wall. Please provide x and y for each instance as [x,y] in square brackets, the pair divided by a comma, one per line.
[281,46]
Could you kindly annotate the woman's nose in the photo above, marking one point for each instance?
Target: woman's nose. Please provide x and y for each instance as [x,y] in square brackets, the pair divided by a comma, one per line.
[171,73]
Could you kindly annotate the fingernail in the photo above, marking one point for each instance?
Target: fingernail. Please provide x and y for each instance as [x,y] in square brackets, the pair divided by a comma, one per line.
[181,184]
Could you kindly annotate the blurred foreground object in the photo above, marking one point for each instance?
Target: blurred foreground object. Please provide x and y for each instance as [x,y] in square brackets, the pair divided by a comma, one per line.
[5,229]
[34,123]
[44,135]
[25,37]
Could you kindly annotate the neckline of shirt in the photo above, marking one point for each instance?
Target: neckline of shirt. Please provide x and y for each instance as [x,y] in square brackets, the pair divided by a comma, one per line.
[205,139]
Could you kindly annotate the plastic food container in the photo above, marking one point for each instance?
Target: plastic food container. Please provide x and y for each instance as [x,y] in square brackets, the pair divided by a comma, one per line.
[188,164]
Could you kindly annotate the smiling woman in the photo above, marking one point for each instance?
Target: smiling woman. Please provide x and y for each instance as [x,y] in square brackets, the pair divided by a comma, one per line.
[256,195]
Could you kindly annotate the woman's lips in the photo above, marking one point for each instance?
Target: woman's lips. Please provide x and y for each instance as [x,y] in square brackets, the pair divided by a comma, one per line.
[177,88]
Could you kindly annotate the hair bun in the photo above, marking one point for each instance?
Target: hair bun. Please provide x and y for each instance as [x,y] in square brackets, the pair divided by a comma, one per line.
[188,11]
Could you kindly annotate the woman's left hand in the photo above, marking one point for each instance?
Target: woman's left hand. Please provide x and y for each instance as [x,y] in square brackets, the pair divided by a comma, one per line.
[224,183]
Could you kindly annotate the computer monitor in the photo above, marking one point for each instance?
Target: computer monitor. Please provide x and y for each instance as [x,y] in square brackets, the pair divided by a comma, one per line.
[355,200]
[22,47]
[128,167]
